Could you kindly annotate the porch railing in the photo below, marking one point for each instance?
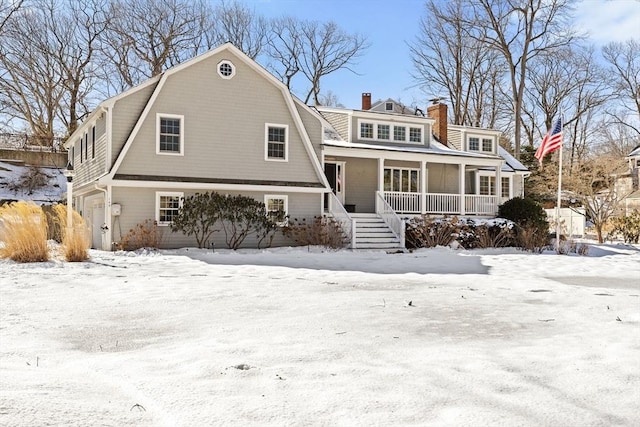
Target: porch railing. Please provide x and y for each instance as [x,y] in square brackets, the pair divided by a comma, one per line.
[389,215]
[441,203]
[347,223]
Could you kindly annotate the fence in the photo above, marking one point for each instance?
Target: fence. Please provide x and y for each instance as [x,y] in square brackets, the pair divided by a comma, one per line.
[572,221]
[26,142]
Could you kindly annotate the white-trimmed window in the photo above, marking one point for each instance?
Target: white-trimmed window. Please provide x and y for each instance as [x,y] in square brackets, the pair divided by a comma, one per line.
[506,184]
[487,185]
[169,134]
[476,143]
[487,145]
[277,207]
[388,106]
[226,69]
[388,131]
[276,142]
[168,204]
[402,179]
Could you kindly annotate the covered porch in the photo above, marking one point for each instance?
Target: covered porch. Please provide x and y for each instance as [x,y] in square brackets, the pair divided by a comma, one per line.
[415,184]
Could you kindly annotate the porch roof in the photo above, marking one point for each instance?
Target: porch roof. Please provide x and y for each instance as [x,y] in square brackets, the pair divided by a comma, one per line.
[434,148]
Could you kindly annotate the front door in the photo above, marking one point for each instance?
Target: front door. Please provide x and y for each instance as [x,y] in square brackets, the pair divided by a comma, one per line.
[334,172]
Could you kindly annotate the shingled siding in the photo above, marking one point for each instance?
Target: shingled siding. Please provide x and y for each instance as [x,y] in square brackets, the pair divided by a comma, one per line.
[340,123]
[224,127]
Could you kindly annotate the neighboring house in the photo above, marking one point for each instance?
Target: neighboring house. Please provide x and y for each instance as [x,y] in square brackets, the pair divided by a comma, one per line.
[627,185]
[221,122]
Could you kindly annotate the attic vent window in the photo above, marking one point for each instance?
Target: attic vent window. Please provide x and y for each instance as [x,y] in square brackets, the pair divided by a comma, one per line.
[226,70]
[388,106]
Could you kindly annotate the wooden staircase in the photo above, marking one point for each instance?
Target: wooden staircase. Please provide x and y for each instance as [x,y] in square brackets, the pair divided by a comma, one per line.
[373,233]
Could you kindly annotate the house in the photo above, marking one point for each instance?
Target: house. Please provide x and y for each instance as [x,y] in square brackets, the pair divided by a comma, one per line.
[627,185]
[220,122]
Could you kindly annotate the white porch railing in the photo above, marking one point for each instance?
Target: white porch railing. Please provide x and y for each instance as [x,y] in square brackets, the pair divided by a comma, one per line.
[403,202]
[440,203]
[347,223]
[480,205]
[390,217]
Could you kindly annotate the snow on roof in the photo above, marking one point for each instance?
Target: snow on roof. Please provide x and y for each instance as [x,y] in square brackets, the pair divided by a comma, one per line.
[511,163]
[11,173]
[635,152]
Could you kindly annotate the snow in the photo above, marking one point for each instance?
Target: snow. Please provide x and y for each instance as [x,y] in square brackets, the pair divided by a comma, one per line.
[298,336]
[53,192]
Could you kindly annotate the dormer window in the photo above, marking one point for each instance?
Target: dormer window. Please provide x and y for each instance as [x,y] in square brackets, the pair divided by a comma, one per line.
[388,131]
[388,106]
[483,145]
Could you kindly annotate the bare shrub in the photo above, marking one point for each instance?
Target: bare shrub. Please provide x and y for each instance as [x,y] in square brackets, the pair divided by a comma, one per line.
[31,180]
[144,235]
[494,236]
[427,232]
[75,238]
[23,232]
[321,230]
[531,238]
[572,247]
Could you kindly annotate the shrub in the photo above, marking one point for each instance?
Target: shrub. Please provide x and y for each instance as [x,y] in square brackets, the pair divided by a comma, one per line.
[572,247]
[427,232]
[31,180]
[144,235]
[532,228]
[75,239]
[628,226]
[489,235]
[23,231]
[321,230]
[198,215]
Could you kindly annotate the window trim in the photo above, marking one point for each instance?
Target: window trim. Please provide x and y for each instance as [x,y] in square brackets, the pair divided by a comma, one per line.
[481,140]
[402,169]
[283,197]
[266,142]
[230,64]
[160,194]
[392,126]
[159,117]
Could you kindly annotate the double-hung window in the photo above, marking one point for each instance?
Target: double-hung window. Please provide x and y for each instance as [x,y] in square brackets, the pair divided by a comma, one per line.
[399,133]
[276,140]
[168,206]
[366,130]
[487,185]
[276,208]
[170,134]
[401,179]
[415,134]
[506,183]
[487,145]
[383,132]
[474,144]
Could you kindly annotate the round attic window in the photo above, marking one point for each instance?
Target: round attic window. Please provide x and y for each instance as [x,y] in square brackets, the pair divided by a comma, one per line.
[226,70]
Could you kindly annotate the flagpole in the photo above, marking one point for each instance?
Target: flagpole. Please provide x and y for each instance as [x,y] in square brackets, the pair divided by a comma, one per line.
[559,202]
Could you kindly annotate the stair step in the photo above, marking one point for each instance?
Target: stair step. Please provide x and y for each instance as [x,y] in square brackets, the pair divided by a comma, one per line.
[387,234]
[378,246]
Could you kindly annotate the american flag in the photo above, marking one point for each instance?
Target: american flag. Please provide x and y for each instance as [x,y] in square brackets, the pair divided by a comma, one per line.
[551,142]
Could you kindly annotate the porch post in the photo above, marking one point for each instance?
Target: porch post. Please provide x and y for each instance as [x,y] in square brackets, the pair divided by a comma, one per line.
[381,174]
[462,169]
[498,187]
[423,187]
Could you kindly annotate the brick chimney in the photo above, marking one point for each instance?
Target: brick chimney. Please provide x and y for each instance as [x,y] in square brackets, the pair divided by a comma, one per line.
[439,113]
[366,101]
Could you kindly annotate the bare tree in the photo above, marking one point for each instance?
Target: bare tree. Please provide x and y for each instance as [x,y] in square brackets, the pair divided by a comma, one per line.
[330,99]
[520,30]
[624,62]
[236,23]
[313,50]
[7,9]
[447,61]
[145,37]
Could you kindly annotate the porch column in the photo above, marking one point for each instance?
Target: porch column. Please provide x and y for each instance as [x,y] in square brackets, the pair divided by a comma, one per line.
[381,174]
[462,169]
[498,187]
[423,187]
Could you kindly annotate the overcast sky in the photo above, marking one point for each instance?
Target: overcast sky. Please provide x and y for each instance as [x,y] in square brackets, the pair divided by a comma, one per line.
[385,69]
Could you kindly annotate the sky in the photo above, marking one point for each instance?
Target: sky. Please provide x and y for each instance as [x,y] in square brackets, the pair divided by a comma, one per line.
[304,337]
[385,69]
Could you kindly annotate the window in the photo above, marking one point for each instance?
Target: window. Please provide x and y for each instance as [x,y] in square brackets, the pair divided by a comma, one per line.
[474,144]
[399,133]
[81,150]
[487,145]
[276,207]
[506,183]
[167,207]
[383,132]
[86,146]
[276,142]
[388,106]
[226,70]
[401,179]
[170,134]
[366,130]
[487,185]
[415,134]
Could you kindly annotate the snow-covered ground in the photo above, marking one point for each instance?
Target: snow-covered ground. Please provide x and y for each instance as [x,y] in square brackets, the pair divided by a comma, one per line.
[298,337]
[53,192]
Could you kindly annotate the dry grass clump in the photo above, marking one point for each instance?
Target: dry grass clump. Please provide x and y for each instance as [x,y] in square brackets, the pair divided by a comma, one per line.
[75,239]
[23,232]
[143,235]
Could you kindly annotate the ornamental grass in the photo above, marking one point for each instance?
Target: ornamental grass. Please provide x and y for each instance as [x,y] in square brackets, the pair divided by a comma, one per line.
[23,232]
[75,239]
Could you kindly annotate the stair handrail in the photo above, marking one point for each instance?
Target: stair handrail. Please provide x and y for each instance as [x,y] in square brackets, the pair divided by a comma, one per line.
[390,217]
[343,218]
